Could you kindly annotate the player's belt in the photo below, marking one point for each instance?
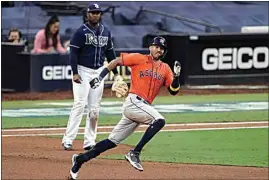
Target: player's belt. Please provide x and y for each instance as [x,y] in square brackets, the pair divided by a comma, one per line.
[141,99]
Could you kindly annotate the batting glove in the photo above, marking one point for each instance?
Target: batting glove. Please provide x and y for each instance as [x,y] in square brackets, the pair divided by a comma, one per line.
[177,68]
[94,83]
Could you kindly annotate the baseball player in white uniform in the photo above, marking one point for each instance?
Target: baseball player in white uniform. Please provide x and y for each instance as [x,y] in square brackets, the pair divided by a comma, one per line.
[89,46]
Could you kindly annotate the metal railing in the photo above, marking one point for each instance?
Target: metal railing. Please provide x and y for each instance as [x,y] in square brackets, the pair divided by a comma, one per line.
[181,18]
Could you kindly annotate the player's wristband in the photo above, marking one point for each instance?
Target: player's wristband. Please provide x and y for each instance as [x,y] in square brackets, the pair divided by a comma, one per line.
[175,84]
[103,73]
[174,89]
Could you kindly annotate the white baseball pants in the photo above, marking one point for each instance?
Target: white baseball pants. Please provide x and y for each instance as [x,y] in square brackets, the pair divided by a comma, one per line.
[84,94]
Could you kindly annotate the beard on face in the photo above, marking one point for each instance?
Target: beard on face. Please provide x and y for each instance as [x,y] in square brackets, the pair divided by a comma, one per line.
[156,55]
[94,21]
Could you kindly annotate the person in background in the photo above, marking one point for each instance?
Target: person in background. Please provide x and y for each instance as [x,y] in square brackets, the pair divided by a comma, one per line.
[48,40]
[15,36]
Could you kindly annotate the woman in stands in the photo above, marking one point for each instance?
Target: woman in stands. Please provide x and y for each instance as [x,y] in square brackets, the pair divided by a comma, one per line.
[48,40]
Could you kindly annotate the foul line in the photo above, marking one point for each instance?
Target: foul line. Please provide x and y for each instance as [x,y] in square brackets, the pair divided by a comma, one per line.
[167,125]
[169,130]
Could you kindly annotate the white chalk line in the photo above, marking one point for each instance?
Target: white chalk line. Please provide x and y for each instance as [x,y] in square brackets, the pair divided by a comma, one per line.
[168,130]
[167,125]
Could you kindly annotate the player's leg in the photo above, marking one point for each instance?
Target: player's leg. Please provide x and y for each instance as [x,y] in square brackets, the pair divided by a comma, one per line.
[154,127]
[94,100]
[146,114]
[80,93]
[121,131]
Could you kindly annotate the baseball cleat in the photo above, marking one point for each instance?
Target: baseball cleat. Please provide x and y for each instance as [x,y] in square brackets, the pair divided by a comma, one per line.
[133,158]
[72,176]
[75,167]
[67,147]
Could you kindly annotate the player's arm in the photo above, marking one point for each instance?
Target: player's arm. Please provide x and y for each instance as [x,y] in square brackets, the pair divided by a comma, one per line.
[112,65]
[124,60]
[111,55]
[175,85]
[76,42]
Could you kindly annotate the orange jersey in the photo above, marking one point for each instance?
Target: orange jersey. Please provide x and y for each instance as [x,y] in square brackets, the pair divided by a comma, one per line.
[147,75]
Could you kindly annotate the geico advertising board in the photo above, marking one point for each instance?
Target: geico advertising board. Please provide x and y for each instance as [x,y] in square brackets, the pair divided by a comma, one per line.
[50,72]
[235,58]
[237,54]
[64,72]
[56,72]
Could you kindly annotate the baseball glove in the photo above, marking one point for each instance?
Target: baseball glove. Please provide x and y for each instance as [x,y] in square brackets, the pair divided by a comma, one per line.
[121,88]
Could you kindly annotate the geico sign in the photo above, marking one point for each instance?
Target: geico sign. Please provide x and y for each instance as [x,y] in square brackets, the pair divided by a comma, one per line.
[56,72]
[232,58]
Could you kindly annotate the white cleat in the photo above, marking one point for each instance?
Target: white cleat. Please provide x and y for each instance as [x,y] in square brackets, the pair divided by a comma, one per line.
[75,167]
[73,176]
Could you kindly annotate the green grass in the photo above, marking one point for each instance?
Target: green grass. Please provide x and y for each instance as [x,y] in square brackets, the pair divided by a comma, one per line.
[61,121]
[211,98]
[29,104]
[242,147]
[158,100]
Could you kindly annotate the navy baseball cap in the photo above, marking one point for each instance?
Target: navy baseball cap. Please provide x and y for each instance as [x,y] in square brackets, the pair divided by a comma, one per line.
[94,8]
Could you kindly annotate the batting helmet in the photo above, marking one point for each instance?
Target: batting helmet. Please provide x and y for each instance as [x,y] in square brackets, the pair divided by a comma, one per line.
[160,41]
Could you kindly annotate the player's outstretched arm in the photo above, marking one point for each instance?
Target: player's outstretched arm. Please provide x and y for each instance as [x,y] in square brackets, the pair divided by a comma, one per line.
[174,87]
[113,64]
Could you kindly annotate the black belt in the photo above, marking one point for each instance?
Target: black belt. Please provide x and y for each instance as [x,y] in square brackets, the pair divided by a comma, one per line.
[140,99]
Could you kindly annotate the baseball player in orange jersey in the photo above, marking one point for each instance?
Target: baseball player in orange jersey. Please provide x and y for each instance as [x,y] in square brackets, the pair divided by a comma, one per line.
[148,75]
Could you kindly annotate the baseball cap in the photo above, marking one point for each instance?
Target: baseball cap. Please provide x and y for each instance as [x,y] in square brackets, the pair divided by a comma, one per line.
[94,8]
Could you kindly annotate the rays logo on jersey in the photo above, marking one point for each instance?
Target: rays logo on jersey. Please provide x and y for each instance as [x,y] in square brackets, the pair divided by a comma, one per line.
[92,39]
